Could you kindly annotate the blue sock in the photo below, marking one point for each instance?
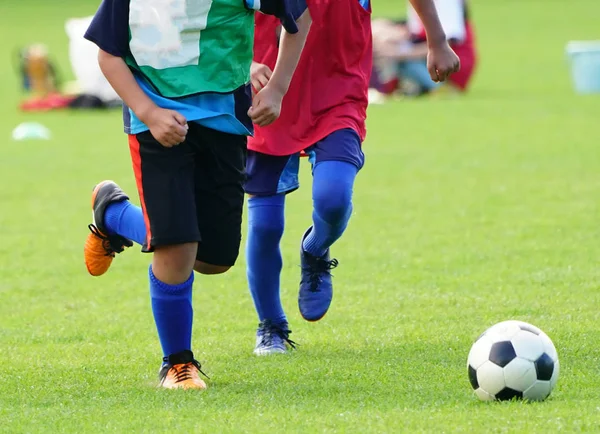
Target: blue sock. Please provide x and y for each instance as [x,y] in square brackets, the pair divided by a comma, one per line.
[173,313]
[263,255]
[332,204]
[123,218]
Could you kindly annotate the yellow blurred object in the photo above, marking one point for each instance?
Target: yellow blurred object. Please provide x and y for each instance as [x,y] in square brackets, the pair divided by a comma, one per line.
[39,71]
[40,80]
[446,90]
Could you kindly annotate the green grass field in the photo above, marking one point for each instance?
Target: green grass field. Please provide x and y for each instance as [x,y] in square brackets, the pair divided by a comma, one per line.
[469,211]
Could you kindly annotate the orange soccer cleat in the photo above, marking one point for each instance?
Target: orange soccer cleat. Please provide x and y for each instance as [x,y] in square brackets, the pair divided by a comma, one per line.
[181,371]
[100,247]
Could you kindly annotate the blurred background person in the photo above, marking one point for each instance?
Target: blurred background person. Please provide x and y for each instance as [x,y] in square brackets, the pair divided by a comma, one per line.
[400,51]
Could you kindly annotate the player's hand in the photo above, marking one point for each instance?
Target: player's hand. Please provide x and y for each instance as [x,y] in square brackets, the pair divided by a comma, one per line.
[442,61]
[259,76]
[266,106]
[168,127]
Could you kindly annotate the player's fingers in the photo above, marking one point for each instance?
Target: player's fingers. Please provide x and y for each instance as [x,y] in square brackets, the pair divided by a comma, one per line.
[258,113]
[256,105]
[262,123]
[178,138]
[162,137]
[167,142]
[442,73]
[263,79]
[179,129]
[172,138]
[267,71]
[256,86]
[175,129]
[175,139]
[433,72]
[448,70]
[261,119]
[259,81]
[269,120]
[256,120]
[181,120]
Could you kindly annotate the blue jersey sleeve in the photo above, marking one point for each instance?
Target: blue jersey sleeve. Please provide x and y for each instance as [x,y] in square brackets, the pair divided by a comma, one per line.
[288,11]
[295,8]
[109,28]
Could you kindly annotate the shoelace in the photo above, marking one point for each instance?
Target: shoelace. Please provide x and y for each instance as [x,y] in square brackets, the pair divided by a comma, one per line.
[269,329]
[185,372]
[316,268]
[110,244]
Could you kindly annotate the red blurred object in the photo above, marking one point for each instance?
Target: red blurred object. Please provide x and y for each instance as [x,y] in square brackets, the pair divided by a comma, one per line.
[389,87]
[51,102]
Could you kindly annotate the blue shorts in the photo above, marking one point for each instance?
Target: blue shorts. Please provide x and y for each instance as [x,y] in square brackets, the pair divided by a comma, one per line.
[268,175]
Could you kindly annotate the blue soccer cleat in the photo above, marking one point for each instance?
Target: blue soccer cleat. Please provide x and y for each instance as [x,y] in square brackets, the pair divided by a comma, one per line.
[272,338]
[316,288]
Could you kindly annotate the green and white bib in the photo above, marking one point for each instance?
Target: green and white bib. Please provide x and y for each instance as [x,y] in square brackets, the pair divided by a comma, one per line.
[186,47]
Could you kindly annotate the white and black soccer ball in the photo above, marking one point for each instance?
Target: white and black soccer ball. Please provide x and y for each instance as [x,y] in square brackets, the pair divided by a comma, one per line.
[513,359]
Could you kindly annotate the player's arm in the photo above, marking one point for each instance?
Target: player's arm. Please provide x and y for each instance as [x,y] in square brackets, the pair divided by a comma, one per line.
[441,60]
[109,30]
[167,126]
[296,21]
[290,49]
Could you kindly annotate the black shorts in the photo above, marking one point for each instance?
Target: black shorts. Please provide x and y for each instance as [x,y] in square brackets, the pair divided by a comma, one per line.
[192,192]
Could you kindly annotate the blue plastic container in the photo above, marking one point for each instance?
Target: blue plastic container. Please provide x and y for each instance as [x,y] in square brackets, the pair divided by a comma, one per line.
[584,57]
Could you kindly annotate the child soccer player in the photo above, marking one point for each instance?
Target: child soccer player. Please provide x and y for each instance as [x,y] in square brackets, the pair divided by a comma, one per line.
[324,116]
[182,70]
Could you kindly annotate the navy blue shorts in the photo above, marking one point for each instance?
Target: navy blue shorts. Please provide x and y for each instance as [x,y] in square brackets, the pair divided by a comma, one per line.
[268,175]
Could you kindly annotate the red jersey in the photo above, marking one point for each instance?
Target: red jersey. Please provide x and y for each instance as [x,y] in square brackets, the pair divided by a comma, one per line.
[330,86]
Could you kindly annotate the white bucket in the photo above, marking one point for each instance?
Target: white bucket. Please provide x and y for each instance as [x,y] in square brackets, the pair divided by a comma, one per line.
[584,57]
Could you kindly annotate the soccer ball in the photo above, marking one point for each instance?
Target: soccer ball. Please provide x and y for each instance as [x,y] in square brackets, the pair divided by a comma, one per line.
[513,359]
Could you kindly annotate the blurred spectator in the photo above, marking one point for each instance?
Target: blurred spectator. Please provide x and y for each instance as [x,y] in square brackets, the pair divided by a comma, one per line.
[91,87]
[400,50]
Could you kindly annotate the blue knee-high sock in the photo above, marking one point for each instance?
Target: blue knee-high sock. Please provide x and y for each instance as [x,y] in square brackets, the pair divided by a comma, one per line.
[173,313]
[123,218]
[263,256]
[332,204]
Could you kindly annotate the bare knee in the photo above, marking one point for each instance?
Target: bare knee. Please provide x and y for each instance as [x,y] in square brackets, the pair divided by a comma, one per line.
[204,268]
[174,264]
